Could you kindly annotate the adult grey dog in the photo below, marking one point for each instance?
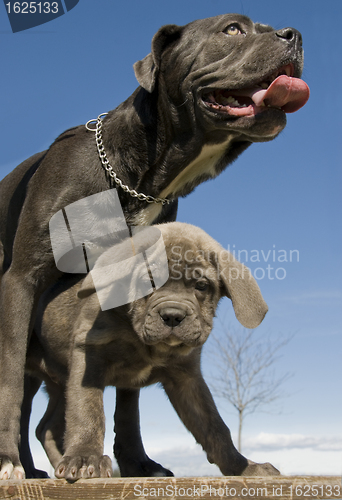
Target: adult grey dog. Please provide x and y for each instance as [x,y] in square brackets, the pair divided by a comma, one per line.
[207,91]
[157,338]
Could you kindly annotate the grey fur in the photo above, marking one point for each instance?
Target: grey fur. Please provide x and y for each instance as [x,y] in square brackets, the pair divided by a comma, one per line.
[163,141]
[157,339]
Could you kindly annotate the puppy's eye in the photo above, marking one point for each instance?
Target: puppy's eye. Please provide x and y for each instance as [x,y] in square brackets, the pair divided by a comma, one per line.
[202,286]
[233,29]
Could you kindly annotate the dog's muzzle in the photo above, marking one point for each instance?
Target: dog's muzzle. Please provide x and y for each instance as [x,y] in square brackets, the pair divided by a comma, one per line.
[278,90]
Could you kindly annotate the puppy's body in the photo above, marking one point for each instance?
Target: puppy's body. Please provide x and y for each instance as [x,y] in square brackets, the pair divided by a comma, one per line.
[79,348]
[178,129]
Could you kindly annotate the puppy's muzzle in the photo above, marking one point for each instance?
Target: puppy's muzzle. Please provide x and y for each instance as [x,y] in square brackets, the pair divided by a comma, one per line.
[171,322]
[172,316]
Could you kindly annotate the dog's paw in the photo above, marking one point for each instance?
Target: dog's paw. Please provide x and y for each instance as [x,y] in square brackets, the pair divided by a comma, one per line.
[36,474]
[10,469]
[73,468]
[143,468]
[254,469]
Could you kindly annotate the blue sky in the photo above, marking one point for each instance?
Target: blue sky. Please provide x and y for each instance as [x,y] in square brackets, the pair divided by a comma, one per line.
[278,197]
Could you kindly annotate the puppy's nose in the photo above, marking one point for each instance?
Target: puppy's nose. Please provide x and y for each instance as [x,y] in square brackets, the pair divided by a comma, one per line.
[172,316]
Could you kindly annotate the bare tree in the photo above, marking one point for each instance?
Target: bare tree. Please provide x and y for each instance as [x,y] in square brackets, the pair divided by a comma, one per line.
[244,370]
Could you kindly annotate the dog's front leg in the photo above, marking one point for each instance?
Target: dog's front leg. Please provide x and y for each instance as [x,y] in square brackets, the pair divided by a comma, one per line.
[128,448]
[195,406]
[84,418]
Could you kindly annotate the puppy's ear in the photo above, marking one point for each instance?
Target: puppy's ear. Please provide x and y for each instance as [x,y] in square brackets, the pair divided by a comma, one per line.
[87,288]
[147,69]
[244,292]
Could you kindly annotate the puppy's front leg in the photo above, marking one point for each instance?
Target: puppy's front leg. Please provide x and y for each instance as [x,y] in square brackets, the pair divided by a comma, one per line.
[85,421]
[195,406]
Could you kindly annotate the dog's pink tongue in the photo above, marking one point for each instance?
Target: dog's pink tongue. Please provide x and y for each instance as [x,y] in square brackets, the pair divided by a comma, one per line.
[285,92]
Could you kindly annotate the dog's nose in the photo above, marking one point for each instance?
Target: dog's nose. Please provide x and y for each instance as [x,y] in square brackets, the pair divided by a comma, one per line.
[290,34]
[172,316]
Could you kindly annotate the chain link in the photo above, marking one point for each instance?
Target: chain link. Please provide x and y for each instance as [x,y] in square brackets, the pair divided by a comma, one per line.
[109,169]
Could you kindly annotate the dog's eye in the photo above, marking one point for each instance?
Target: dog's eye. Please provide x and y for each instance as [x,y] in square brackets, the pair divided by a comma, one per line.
[233,29]
[201,285]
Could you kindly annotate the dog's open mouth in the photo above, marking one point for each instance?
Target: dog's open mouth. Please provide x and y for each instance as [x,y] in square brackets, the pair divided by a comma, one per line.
[280,90]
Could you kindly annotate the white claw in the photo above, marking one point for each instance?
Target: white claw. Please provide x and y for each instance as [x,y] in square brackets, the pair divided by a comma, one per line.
[6,471]
[18,473]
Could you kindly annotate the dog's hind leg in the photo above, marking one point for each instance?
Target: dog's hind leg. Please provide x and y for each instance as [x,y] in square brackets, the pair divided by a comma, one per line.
[31,386]
[20,288]
[128,447]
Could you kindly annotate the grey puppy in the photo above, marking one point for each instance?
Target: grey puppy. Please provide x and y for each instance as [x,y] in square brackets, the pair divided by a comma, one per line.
[79,349]
[207,91]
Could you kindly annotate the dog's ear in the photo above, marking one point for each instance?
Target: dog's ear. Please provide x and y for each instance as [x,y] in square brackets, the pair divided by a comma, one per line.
[244,292]
[146,70]
[87,288]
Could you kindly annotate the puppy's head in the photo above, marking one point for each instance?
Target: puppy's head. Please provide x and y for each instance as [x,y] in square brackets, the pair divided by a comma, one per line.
[180,313]
[200,273]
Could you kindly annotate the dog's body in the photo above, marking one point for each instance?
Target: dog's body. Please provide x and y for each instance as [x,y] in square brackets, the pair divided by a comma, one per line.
[177,130]
[79,349]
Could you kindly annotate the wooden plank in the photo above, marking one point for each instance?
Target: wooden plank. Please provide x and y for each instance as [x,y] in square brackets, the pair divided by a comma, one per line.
[161,488]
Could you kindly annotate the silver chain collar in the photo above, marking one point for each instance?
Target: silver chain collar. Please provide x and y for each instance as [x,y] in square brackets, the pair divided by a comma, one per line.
[109,168]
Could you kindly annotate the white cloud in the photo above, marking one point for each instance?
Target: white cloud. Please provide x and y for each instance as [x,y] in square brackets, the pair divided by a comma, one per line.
[265,441]
[301,462]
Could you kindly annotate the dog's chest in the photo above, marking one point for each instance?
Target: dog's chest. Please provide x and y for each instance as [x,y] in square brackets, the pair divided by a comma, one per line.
[204,164]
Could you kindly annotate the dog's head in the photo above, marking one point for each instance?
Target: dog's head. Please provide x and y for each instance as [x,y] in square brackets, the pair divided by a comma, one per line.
[229,73]
[180,313]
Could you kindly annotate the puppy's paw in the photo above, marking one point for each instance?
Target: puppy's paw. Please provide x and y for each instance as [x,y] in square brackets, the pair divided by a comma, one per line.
[73,468]
[10,469]
[143,468]
[254,469]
